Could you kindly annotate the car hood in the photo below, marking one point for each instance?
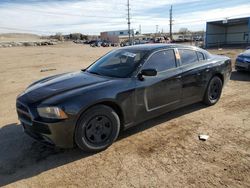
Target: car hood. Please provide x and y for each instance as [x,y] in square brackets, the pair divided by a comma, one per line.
[246,53]
[57,84]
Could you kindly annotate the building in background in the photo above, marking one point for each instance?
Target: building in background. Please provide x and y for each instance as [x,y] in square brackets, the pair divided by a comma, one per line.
[118,36]
[229,32]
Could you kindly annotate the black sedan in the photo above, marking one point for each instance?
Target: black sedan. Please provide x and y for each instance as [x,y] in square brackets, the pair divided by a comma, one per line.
[243,61]
[127,86]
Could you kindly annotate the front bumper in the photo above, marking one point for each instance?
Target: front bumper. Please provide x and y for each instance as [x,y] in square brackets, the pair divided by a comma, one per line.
[242,66]
[59,134]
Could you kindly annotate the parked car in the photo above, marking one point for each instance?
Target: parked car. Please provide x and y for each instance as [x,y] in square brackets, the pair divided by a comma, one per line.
[106,43]
[136,42]
[79,41]
[198,38]
[129,85]
[95,43]
[91,42]
[125,43]
[114,44]
[243,61]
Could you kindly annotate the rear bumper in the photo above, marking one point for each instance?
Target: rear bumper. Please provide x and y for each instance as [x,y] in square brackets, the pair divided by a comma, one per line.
[59,134]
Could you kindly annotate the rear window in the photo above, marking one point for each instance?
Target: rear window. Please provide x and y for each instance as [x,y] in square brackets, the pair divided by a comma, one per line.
[188,56]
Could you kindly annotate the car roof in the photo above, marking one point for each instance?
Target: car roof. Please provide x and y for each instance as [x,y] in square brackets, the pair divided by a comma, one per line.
[153,47]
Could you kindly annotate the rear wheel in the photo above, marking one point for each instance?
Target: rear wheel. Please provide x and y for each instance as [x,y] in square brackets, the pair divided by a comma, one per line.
[97,128]
[213,91]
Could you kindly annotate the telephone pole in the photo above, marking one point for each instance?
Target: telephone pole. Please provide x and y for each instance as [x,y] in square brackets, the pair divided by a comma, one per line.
[171,22]
[129,34]
[156,29]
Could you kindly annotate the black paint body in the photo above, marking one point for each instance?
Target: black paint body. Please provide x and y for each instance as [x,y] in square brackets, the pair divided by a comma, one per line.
[135,100]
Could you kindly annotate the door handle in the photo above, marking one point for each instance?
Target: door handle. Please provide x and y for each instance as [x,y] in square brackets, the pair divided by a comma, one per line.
[178,77]
[207,70]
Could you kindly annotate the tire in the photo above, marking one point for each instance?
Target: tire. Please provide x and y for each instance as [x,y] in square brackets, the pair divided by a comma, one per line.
[97,128]
[213,91]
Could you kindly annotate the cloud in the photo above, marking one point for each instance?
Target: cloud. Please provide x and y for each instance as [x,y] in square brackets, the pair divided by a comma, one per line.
[94,16]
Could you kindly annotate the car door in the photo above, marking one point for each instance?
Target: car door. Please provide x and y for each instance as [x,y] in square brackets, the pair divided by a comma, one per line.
[193,74]
[159,93]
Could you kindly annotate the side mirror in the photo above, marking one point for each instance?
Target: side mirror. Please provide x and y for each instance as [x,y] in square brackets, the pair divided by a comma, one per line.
[149,72]
[146,72]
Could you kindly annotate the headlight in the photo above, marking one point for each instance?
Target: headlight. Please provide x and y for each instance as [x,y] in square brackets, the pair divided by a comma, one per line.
[52,113]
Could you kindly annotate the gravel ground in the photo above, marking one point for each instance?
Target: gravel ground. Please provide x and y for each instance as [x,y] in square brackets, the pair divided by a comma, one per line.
[162,152]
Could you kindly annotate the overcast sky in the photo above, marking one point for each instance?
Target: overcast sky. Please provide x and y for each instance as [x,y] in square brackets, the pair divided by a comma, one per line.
[94,16]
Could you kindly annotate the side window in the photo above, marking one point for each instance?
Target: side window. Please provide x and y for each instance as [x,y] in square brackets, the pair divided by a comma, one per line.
[188,56]
[200,56]
[161,61]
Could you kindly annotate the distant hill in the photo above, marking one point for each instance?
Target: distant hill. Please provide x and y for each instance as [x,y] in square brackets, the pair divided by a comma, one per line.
[17,37]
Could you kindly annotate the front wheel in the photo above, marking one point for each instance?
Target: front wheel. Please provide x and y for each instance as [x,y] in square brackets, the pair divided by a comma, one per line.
[97,128]
[213,91]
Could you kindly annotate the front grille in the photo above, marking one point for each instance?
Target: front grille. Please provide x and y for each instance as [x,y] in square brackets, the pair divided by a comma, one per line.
[30,131]
[22,107]
[23,113]
[41,128]
[28,123]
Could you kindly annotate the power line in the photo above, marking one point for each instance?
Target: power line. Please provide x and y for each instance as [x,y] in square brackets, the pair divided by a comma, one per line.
[198,21]
[196,5]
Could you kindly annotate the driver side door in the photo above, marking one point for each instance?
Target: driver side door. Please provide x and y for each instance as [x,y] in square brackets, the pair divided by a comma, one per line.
[160,93]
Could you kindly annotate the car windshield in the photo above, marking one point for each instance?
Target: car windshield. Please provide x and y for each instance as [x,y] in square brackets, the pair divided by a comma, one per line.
[120,63]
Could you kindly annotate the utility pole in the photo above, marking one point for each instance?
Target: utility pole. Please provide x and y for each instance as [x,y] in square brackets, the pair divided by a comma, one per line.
[140,29]
[129,34]
[171,22]
[156,29]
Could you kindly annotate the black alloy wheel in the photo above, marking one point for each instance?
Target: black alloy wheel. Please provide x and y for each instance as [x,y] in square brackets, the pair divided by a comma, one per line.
[213,91]
[97,128]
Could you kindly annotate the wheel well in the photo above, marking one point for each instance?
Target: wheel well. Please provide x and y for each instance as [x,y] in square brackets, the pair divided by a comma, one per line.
[112,105]
[220,76]
[116,108]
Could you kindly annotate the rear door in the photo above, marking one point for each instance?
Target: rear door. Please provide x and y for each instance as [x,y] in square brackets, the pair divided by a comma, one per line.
[193,74]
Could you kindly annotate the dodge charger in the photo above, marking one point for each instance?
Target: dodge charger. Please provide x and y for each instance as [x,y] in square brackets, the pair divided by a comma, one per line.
[90,107]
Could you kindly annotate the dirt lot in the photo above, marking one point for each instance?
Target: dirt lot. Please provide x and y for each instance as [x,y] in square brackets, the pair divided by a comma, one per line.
[163,152]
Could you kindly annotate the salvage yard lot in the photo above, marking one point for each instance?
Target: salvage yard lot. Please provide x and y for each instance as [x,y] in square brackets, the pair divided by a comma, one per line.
[163,152]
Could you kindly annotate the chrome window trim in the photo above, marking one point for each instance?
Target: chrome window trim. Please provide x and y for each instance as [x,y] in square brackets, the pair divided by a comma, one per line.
[157,51]
[195,50]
